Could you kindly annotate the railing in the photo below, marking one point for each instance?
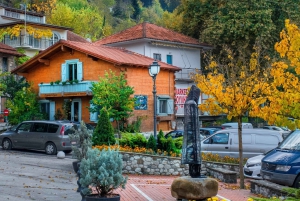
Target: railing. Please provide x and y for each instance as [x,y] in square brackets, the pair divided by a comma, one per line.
[28,42]
[185,73]
[47,88]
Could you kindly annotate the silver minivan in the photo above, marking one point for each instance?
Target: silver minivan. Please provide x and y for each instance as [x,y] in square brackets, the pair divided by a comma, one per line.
[51,136]
[255,142]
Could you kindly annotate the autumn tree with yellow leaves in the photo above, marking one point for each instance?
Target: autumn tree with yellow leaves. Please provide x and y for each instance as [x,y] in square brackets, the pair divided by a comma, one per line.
[284,101]
[235,85]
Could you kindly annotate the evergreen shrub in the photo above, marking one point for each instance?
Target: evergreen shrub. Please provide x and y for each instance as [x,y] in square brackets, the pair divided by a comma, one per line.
[83,138]
[102,170]
[104,132]
[151,144]
[133,140]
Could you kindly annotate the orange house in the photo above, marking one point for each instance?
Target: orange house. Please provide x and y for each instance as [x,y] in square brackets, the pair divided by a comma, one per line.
[63,74]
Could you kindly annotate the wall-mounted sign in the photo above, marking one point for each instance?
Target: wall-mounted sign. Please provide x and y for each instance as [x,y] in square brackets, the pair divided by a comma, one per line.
[141,102]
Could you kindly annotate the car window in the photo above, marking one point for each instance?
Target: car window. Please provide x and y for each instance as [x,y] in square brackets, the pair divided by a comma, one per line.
[39,127]
[220,138]
[70,129]
[52,128]
[24,127]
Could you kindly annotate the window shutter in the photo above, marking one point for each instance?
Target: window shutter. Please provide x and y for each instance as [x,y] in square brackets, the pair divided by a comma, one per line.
[64,72]
[170,108]
[157,106]
[79,71]
[93,115]
[52,110]
[169,59]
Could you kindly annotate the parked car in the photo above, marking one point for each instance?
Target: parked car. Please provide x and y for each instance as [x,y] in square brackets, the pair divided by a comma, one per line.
[51,136]
[255,141]
[174,134]
[208,131]
[284,132]
[253,166]
[281,165]
[235,125]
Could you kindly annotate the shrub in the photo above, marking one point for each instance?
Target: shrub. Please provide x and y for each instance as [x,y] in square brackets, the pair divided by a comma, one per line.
[104,132]
[151,144]
[160,138]
[133,140]
[103,171]
[178,142]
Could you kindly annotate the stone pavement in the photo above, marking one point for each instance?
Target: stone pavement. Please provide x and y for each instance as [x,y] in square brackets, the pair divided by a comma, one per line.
[157,188]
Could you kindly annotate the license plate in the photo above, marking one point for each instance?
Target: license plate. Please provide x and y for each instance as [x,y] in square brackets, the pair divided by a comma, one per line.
[73,143]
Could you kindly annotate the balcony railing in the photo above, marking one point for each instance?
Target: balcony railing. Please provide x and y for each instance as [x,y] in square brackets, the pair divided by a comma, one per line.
[54,90]
[185,73]
[28,42]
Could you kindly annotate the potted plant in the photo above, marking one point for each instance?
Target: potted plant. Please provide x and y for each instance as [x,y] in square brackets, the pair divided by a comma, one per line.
[82,140]
[101,174]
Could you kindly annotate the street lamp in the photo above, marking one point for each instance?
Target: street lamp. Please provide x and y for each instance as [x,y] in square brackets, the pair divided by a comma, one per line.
[153,71]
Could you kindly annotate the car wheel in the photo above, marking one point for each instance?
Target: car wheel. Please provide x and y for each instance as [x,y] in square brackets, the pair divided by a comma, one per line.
[297,182]
[50,148]
[6,144]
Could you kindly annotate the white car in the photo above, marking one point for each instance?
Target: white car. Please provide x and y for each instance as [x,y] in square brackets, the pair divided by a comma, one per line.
[253,166]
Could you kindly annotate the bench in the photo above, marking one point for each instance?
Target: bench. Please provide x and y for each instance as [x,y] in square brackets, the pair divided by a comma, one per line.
[226,176]
[267,188]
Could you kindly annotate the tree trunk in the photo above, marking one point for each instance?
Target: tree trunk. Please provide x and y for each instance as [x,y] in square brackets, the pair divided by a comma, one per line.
[241,165]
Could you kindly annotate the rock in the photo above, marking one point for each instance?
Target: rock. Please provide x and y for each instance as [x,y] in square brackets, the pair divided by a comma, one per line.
[194,188]
[61,155]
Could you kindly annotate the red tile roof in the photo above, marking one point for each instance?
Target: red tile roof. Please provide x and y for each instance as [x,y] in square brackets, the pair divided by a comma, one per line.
[117,56]
[149,31]
[9,50]
[74,37]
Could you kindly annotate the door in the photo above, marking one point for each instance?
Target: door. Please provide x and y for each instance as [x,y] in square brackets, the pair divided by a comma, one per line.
[38,135]
[20,140]
[76,110]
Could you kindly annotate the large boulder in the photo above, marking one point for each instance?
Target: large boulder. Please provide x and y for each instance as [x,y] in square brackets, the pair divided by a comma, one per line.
[194,188]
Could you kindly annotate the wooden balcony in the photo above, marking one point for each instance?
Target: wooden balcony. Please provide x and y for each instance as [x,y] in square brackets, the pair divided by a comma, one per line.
[64,90]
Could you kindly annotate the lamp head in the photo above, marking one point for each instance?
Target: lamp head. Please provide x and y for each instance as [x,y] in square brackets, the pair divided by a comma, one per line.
[154,69]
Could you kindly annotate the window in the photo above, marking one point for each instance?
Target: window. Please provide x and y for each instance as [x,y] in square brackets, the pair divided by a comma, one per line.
[157,57]
[72,70]
[220,138]
[54,39]
[169,59]
[94,112]
[4,64]
[165,105]
[25,127]
[52,128]
[40,127]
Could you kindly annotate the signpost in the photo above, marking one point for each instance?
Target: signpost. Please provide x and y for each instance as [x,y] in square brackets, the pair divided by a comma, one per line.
[6,113]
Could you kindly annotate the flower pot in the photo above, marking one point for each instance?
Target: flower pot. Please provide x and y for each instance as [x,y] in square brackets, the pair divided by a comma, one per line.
[76,165]
[111,197]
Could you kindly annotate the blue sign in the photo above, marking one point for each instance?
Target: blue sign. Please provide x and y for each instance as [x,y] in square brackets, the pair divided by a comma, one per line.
[141,102]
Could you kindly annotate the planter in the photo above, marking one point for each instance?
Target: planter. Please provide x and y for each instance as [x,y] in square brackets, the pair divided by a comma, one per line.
[76,165]
[111,197]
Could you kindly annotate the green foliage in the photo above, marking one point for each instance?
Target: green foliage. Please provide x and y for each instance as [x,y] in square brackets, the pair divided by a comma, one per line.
[151,143]
[113,93]
[23,59]
[178,142]
[293,195]
[134,127]
[168,145]
[102,170]
[83,138]
[160,138]
[24,106]
[13,85]
[133,140]
[104,132]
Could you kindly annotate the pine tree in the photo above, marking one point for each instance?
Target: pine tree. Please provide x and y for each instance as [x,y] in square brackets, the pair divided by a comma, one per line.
[137,10]
[160,138]
[151,144]
[104,132]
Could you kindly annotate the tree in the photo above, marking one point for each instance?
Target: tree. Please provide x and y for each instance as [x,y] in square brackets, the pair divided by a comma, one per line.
[235,86]
[104,132]
[24,106]
[113,93]
[136,10]
[237,23]
[13,85]
[283,103]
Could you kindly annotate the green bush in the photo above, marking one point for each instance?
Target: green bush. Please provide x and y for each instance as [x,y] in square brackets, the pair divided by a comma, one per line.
[133,140]
[160,139]
[104,132]
[178,142]
[151,144]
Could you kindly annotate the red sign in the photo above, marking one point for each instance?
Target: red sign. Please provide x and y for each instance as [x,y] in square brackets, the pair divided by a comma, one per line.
[6,112]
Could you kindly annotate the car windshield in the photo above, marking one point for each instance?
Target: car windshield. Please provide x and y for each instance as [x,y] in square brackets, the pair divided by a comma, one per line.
[292,142]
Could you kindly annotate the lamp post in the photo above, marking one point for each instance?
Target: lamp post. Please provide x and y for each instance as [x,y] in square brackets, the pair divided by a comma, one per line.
[153,72]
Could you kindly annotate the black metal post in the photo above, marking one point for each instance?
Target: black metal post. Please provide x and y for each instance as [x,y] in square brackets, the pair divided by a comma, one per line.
[155,107]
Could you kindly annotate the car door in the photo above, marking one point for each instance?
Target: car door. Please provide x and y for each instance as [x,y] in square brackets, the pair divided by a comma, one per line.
[37,136]
[217,144]
[21,138]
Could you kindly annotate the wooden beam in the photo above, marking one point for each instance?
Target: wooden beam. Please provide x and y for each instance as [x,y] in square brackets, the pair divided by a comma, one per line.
[44,61]
[92,57]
